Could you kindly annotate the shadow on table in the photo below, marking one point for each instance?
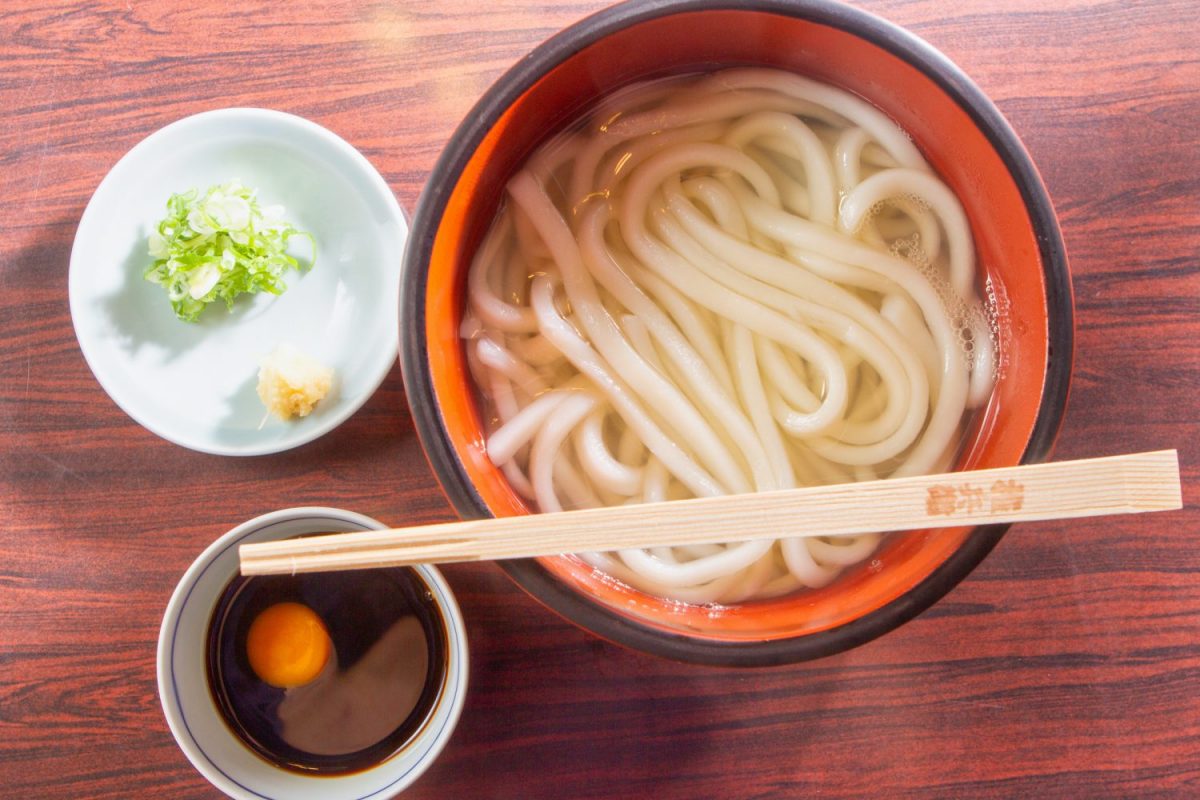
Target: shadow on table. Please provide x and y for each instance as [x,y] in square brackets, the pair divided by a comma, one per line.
[553,712]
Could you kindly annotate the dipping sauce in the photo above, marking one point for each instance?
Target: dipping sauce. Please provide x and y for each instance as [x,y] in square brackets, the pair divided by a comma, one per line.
[328,673]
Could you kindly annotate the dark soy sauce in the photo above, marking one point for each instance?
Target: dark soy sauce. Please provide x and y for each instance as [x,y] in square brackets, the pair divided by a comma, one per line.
[376,619]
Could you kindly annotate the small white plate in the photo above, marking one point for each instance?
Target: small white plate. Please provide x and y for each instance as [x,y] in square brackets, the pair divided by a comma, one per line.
[194,383]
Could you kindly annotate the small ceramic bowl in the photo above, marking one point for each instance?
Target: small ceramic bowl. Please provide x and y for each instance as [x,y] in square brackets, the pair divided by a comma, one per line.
[964,138]
[193,383]
[197,725]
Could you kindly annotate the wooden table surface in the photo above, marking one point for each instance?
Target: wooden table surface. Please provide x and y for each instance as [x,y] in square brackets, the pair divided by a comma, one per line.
[1067,665]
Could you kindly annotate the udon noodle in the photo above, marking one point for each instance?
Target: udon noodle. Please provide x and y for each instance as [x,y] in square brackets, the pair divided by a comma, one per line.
[728,283]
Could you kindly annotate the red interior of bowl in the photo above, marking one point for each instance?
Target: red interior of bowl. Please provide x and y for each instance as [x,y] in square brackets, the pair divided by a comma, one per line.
[702,41]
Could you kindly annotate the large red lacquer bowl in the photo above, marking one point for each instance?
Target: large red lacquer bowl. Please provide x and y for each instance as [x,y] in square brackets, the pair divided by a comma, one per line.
[962,135]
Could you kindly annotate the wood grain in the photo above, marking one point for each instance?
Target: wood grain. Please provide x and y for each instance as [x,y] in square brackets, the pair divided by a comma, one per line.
[1067,665]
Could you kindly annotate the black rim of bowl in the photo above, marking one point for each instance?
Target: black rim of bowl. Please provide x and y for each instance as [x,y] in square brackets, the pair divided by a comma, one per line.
[530,575]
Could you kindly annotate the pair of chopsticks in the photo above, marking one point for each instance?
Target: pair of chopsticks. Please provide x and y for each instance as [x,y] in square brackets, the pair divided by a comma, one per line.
[1127,484]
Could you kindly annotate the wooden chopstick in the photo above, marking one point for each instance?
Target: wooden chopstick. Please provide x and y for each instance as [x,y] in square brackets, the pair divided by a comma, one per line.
[1127,484]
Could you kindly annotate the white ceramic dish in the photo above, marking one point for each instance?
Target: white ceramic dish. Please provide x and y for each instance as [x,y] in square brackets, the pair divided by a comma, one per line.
[194,383]
[197,725]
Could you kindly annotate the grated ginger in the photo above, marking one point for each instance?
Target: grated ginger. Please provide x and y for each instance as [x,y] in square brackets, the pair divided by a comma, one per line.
[290,383]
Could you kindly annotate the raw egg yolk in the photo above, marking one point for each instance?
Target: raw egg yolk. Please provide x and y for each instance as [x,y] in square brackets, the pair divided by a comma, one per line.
[287,645]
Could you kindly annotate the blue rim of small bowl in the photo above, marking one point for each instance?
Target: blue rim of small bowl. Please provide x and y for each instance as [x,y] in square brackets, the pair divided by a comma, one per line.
[535,579]
[169,629]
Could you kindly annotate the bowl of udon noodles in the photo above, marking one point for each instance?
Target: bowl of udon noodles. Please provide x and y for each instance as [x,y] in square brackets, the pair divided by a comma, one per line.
[686,249]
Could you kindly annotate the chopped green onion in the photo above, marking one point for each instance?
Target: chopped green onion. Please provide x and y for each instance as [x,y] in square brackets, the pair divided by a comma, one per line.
[218,245]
